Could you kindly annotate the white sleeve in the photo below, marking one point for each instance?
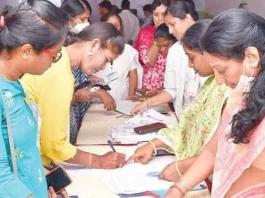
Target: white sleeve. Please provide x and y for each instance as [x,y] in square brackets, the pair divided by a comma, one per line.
[133,54]
[136,65]
[173,61]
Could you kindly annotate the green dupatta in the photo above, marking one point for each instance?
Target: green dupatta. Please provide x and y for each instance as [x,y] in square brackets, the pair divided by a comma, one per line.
[198,121]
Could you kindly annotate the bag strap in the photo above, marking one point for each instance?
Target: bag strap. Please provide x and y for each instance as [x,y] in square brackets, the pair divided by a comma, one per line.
[10,137]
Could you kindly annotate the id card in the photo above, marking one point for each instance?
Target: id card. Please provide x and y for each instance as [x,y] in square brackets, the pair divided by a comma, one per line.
[113,76]
[192,88]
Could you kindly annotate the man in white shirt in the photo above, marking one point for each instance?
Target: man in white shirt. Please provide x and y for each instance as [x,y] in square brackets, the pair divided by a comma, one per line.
[148,13]
[130,23]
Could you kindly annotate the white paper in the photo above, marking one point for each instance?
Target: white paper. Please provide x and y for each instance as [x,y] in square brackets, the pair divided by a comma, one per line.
[122,184]
[75,170]
[127,106]
[124,132]
[132,178]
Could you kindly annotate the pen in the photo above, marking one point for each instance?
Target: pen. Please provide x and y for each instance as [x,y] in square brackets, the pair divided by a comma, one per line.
[111,146]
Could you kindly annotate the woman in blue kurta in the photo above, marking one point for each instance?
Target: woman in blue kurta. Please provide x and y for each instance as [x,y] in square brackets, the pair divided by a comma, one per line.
[31,178]
[31,39]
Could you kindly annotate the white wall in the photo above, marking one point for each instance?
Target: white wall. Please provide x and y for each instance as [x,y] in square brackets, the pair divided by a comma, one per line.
[3,3]
[217,6]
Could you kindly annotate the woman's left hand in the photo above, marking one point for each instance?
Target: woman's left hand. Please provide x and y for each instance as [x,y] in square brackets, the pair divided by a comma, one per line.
[173,193]
[52,194]
[169,173]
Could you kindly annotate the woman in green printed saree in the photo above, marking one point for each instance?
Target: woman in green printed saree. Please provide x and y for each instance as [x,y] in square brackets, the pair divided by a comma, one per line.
[199,119]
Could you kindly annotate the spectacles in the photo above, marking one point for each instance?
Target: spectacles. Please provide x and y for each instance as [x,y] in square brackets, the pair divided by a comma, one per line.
[56,57]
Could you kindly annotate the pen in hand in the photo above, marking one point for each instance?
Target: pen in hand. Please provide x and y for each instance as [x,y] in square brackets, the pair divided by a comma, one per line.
[111,146]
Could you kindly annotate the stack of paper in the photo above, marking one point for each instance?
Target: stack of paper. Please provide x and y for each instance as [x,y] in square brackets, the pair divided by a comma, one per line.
[127,106]
[124,132]
[136,178]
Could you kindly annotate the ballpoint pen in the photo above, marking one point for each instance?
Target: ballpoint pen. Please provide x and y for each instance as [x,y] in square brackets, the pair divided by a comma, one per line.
[111,146]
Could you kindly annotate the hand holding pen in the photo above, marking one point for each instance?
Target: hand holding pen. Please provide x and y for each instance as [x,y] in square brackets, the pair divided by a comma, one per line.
[112,159]
[111,146]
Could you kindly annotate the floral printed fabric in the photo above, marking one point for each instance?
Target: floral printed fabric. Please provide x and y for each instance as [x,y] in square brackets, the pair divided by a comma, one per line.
[31,177]
[198,121]
[153,74]
[233,159]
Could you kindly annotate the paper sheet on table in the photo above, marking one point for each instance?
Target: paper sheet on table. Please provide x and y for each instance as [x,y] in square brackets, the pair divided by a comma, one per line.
[75,170]
[148,117]
[124,132]
[132,178]
[127,106]
[130,184]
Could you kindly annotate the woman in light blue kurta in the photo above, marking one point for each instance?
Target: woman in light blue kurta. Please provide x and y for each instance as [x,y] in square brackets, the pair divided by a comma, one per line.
[31,178]
[31,37]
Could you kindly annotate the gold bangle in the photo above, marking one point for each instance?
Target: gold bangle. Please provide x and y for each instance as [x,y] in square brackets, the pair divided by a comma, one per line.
[154,146]
[177,167]
[178,188]
[149,103]
[183,185]
[90,160]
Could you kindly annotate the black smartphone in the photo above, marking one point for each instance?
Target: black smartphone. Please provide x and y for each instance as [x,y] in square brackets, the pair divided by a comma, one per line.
[58,179]
[105,87]
[83,85]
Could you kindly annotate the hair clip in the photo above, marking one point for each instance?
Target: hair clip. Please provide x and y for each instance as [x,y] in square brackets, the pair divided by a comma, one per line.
[2,22]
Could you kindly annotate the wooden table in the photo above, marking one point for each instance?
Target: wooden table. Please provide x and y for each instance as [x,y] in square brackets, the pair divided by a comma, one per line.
[94,131]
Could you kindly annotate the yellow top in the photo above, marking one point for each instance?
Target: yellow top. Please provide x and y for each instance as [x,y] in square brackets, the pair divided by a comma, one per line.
[53,93]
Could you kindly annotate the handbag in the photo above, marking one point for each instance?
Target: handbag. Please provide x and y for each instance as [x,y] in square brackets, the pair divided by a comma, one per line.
[10,137]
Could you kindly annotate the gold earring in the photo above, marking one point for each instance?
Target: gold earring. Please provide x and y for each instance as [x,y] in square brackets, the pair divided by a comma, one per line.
[90,53]
[254,65]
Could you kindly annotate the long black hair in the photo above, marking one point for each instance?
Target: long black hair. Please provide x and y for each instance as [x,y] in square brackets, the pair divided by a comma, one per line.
[192,37]
[163,32]
[157,3]
[108,15]
[72,8]
[36,22]
[181,8]
[229,35]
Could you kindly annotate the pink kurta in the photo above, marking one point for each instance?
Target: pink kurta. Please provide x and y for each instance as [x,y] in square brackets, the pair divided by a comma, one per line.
[153,74]
[233,159]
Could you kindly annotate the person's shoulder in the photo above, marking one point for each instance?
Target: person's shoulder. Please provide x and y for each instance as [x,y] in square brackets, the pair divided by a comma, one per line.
[129,49]
[149,29]
[175,47]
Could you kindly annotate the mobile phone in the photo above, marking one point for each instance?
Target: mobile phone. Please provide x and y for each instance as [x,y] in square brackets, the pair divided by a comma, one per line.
[105,87]
[83,85]
[58,179]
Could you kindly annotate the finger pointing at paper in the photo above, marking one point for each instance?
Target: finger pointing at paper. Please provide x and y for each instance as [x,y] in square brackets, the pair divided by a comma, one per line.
[142,154]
